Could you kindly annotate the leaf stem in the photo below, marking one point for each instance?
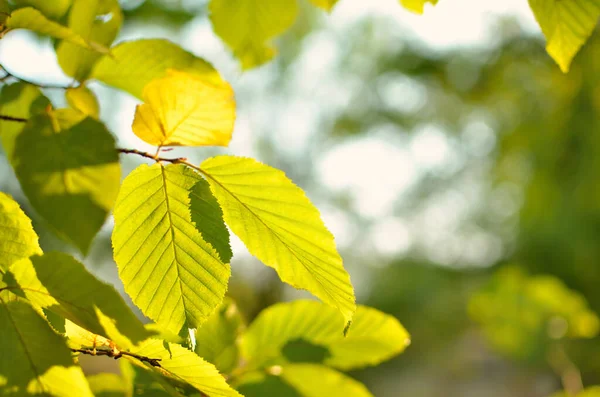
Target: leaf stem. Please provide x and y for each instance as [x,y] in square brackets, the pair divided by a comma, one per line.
[11,118]
[116,354]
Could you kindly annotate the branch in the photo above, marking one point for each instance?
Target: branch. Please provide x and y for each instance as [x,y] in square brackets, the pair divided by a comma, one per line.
[11,118]
[118,354]
[49,86]
[155,157]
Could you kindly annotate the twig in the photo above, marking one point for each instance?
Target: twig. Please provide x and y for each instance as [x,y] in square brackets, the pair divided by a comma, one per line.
[11,118]
[155,157]
[118,354]
[49,86]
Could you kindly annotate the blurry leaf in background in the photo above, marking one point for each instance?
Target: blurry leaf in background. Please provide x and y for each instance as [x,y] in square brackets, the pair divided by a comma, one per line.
[327,5]
[107,385]
[17,238]
[52,9]
[522,314]
[69,169]
[97,21]
[4,12]
[84,100]
[417,6]
[138,381]
[593,391]
[133,64]
[182,109]
[247,26]
[566,25]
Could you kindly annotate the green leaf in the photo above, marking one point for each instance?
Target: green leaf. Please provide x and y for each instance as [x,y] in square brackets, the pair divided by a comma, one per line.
[216,339]
[247,26]
[134,64]
[95,20]
[32,19]
[69,169]
[567,25]
[107,385]
[417,6]
[18,100]
[4,13]
[374,336]
[281,227]
[303,380]
[593,391]
[138,381]
[34,359]
[60,283]
[17,237]
[171,273]
[182,364]
[52,9]
[84,100]
[327,5]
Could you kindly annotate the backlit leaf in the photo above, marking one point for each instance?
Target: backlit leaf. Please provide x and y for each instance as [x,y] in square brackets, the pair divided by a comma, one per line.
[416,5]
[373,337]
[68,168]
[172,274]
[327,5]
[107,385]
[281,227]
[52,9]
[17,237]
[84,100]
[247,26]
[183,110]
[566,25]
[34,358]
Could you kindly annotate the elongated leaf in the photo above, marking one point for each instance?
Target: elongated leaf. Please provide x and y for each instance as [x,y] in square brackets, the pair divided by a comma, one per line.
[18,100]
[68,168]
[247,26]
[96,21]
[133,64]
[281,227]
[374,336]
[185,365]
[183,110]
[566,25]
[327,5]
[172,274]
[302,380]
[84,100]
[60,283]
[216,339]
[52,9]
[417,6]
[34,359]
[17,237]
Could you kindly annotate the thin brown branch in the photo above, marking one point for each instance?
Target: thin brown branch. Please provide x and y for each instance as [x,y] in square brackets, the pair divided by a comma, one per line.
[155,157]
[118,354]
[11,118]
[40,85]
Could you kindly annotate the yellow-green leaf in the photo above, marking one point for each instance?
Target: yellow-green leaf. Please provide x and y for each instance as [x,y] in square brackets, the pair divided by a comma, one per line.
[17,238]
[417,6]
[171,273]
[281,227]
[84,100]
[185,365]
[247,26]
[567,24]
[69,169]
[96,21]
[107,385]
[327,5]
[133,64]
[4,12]
[34,358]
[373,337]
[52,9]
[183,110]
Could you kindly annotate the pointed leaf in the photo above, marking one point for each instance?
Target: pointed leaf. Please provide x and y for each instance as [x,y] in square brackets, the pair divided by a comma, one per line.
[373,337]
[567,25]
[69,169]
[60,283]
[247,26]
[327,5]
[84,100]
[96,21]
[52,9]
[185,365]
[416,6]
[34,359]
[17,237]
[281,227]
[183,110]
[171,273]
[133,64]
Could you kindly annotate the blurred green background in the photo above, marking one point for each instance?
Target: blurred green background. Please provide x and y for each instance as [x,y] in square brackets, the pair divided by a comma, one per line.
[458,168]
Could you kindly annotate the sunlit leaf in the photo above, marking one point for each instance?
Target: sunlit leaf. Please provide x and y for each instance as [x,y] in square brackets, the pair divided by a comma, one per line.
[327,5]
[186,365]
[96,21]
[138,381]
[593,391]
[373,337]
[78,337]
[416,5]
[60,283]
[52,9]
[133,64]
[17,237]
[68,168]
[34,358]
[183,110]
[84,100]
[247,26]
[281,227]
[172,274]
[566,25]
[107,385]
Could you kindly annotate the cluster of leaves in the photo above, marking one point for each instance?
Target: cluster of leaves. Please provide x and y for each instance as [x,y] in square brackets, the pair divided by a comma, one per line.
[170,238]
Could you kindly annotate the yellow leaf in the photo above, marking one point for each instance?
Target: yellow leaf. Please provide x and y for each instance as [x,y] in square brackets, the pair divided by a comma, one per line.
[416,5]
[327,5]
[183,110]
[84,100]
